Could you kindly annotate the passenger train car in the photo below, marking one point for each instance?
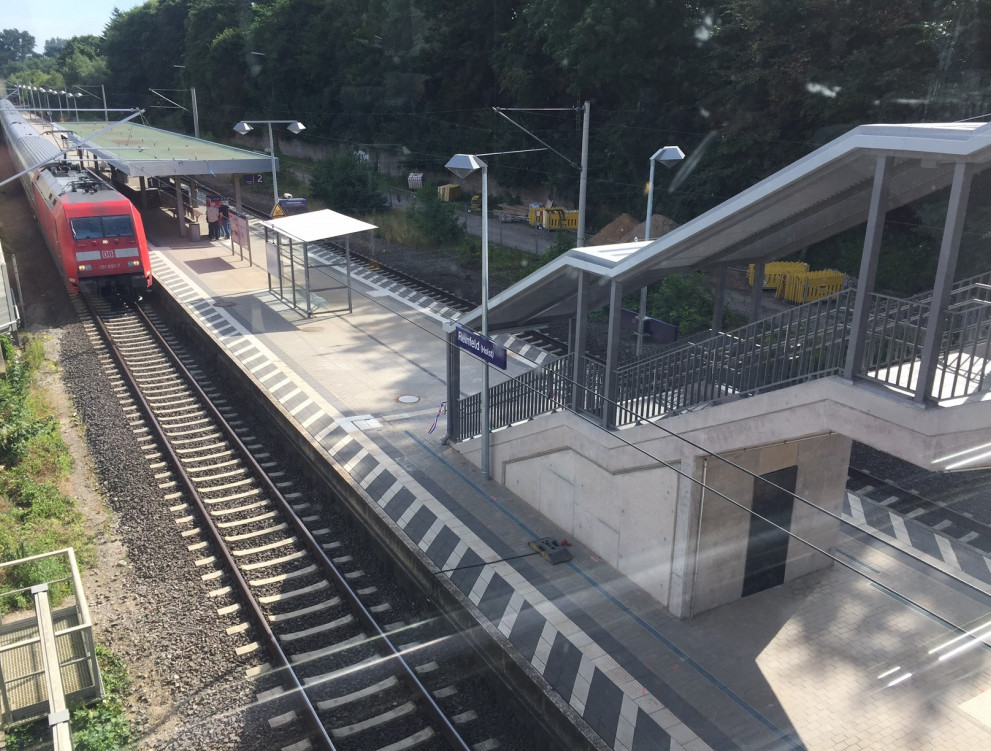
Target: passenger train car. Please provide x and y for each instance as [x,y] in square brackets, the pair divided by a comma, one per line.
[93,232]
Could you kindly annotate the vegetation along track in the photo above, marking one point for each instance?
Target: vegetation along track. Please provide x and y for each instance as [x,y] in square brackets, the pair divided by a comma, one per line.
[343,658]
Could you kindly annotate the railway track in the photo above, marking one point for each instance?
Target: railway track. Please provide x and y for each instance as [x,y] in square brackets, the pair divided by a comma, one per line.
[343,658]
[920,507]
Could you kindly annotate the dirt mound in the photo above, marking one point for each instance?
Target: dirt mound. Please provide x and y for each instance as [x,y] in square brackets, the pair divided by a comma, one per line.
[625,228]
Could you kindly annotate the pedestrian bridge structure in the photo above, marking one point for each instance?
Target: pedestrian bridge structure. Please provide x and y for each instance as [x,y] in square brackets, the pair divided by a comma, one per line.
[717,468]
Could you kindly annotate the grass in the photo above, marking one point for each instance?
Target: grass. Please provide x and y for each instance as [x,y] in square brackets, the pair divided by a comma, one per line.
[101,727]
[37,516]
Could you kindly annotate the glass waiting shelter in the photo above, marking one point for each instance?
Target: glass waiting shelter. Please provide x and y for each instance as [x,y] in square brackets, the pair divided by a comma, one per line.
[310,253]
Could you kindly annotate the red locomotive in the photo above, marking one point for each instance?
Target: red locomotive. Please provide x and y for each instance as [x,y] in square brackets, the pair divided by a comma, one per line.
[93,232]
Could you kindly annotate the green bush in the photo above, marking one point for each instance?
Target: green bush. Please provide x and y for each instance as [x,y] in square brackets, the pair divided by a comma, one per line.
[35,515]
[683,300]
[105,726]
[100,727]
[18,423]
[436,220]
[349,184]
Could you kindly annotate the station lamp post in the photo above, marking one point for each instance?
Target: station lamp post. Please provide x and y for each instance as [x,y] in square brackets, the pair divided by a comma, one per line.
[293,126]
[48,103]
[464,165]
[668,156]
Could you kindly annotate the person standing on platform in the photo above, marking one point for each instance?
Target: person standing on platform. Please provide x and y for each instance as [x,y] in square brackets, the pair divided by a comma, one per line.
[225,220]
[213,219]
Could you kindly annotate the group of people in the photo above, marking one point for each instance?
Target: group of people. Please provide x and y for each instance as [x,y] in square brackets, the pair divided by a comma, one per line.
[218,219]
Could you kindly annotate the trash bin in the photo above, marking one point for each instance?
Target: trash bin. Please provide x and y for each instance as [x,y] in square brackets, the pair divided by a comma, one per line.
[193,231]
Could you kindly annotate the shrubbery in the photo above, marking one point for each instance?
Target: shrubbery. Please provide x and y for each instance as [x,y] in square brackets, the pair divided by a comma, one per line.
[435,220]
[35,515]
[348,184]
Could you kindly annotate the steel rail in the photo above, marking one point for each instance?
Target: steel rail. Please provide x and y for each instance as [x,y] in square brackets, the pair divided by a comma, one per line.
[311,544]
[312,718]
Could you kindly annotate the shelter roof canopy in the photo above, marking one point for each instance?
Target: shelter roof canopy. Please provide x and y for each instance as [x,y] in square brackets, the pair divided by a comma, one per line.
[142,151]
[820,195]
[317,225]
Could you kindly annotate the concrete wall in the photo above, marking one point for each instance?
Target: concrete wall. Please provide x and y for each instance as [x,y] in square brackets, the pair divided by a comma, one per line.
[613,491]
[626,516]
[722,544]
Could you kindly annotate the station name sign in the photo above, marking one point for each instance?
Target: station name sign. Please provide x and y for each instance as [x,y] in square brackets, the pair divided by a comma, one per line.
[481,347]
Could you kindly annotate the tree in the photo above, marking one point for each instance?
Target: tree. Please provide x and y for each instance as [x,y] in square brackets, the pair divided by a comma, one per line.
[683,300]
[348,183]
[436,220]
[54,47]
[15,46]
[81,61]
[141,47]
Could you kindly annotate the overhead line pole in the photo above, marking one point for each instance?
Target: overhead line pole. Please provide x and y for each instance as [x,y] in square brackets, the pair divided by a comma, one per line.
[583,182]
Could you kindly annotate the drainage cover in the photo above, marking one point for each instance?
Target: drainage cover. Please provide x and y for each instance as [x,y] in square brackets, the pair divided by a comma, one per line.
[551,550]
[407,399]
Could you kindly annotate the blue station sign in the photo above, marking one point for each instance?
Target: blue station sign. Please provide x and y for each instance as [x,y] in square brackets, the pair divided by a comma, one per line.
[481,347]
[289,206]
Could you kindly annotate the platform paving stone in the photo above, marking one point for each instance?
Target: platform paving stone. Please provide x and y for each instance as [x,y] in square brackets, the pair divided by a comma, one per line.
[793,667]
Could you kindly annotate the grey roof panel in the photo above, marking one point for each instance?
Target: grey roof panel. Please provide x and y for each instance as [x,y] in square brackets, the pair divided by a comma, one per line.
[820,195]
[142,151]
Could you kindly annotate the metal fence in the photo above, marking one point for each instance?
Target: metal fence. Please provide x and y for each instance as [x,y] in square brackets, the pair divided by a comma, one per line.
[47,656]
[966,344]
[806,342]
[532,394]
[802,343]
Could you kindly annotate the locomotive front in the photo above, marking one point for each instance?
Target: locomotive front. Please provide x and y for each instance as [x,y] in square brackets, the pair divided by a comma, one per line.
[94,233]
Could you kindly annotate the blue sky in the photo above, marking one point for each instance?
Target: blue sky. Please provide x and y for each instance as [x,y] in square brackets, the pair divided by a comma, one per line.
[48,19]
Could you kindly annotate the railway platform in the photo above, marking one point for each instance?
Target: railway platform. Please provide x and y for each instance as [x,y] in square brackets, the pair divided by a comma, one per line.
[832,660]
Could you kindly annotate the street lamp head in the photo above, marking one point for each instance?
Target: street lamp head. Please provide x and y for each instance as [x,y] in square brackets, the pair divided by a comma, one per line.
[463,165]
[242,128]
[668,156]
[295,127]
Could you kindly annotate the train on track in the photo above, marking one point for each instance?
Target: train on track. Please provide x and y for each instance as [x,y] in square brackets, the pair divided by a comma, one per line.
[94,233]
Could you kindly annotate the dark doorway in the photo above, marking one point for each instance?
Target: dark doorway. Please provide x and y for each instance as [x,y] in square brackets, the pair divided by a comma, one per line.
[767,546]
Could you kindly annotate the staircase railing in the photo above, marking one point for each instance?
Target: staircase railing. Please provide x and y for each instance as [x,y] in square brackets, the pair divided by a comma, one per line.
[806,342]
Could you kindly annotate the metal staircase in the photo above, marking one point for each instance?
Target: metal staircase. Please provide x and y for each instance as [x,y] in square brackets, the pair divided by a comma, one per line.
[803,343]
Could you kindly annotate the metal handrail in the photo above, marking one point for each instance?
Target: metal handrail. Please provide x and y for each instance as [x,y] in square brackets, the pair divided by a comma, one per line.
[803,343]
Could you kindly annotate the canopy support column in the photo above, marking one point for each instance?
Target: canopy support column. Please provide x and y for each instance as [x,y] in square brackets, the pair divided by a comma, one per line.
[578,400]
[612,355]
[956,213]
[868,265]
[453,383]
[757,291]
[180,208]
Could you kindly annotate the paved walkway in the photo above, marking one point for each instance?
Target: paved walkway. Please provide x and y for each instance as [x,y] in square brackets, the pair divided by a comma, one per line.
[848,658]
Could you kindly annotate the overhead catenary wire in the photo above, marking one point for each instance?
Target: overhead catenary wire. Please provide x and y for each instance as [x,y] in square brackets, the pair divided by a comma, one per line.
[723,496]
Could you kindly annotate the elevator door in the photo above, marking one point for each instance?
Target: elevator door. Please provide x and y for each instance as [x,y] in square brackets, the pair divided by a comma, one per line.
[767,546]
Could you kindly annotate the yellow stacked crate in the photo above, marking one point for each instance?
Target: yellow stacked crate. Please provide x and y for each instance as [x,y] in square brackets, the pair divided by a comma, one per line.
[449,192]
[776,272]
[813,285]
